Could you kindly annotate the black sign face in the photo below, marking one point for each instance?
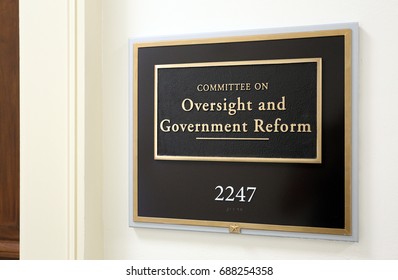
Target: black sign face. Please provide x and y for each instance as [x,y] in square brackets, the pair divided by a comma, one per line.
[244,133]
[266,110]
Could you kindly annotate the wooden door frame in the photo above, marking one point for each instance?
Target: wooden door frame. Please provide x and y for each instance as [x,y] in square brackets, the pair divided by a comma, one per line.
[9,129]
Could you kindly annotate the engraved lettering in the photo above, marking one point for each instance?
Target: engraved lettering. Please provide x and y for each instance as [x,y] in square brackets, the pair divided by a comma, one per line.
[261,86]
[278,126]
[230,107]
[271,106]
[167,126]
[227,87]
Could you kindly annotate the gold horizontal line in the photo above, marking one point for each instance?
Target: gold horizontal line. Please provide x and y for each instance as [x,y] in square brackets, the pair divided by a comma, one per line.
[232,139]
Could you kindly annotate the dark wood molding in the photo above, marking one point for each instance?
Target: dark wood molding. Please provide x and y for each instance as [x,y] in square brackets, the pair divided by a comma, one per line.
[9,129]
[9,250]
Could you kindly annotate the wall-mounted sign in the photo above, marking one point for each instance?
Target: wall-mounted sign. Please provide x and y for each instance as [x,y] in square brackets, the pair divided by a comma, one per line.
[248,133]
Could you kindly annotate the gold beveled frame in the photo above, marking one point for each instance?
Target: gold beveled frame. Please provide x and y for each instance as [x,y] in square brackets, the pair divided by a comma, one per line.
[317,159]
[236,227]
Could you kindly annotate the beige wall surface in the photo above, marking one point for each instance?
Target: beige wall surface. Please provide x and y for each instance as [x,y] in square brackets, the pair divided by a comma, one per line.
[378,213]
[61,129]
[45,116]
[75,114]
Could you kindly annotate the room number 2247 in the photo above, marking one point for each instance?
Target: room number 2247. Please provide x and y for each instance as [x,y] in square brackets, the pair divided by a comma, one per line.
[243,194]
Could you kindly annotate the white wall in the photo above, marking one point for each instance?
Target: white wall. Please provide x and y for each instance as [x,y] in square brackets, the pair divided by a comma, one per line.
[378,210]
[93,227]
[47,130]
[61,129]
[74,142]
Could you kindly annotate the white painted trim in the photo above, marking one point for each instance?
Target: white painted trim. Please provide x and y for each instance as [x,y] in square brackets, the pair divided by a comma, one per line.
[76,124]
[80,97]
[52,129]
[72,88]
